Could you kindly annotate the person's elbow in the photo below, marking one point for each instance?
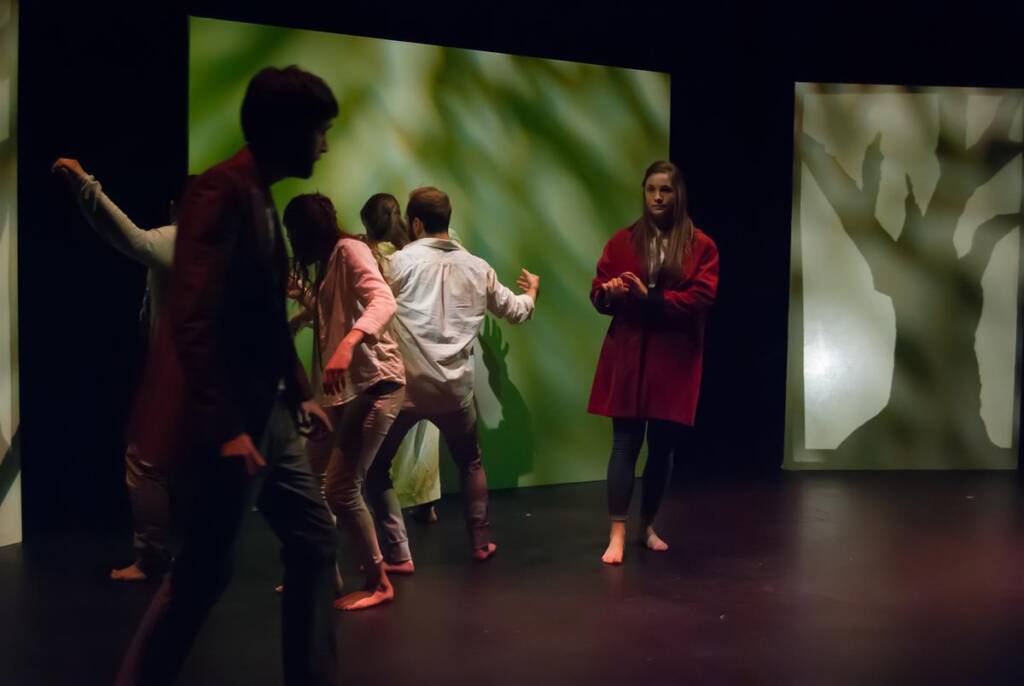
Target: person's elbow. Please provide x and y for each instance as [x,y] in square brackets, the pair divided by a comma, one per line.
[388,308]
[525,311]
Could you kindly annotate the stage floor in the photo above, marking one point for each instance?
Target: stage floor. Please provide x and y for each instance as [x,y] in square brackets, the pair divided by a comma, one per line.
[829,578]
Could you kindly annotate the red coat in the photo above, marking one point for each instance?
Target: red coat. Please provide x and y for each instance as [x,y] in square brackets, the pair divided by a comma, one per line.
[650,363]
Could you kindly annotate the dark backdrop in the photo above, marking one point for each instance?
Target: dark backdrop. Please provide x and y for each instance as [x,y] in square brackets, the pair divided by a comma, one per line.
[106,82]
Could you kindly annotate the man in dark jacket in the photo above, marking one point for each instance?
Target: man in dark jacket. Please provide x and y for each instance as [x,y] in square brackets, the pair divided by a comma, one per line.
[222,378]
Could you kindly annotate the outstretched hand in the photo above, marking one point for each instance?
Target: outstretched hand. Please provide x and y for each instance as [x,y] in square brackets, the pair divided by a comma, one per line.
[70,170]
[530,283]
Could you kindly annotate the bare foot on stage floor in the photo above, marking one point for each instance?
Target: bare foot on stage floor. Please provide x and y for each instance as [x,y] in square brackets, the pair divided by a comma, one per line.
[481,554]
[382,593]
[406,567]
[130,573]
[652,540]
[616,544]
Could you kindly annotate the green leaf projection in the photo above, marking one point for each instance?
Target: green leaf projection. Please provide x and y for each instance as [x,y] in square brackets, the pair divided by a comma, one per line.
[10,456]
[907,209]
[542,160]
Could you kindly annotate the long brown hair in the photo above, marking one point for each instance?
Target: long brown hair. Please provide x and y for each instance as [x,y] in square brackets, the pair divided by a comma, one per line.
[313,231]
[679,246]
[382,218]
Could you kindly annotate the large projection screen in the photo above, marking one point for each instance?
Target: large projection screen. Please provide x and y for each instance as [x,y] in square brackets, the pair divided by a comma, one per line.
[10,462]
[542,160]
[904,333]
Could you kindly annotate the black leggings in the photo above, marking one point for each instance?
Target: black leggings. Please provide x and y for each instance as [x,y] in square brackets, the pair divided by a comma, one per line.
[627,438]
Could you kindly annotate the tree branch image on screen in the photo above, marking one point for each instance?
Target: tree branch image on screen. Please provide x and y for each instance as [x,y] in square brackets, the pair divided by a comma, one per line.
[540,159]
[903,349]
[10,462]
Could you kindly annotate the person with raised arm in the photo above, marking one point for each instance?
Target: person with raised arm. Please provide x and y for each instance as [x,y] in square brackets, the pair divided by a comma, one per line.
[154,249]
[222,377]
[443,292]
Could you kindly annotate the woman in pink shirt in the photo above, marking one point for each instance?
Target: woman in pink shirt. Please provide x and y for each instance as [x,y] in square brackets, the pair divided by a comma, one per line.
[363,380]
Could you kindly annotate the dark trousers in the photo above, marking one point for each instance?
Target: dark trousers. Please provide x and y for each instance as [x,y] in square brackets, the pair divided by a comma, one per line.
[627,439]
[147,490]
[221,493]
[458,428]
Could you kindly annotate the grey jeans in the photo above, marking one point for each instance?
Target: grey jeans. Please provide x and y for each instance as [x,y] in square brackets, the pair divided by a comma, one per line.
[360,426]
[458,429]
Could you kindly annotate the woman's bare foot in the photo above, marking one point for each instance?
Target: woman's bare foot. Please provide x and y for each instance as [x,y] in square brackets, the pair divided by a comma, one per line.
[616,544]
[382,592]
[130,573]
[406,567]
[651,539]
[485,553]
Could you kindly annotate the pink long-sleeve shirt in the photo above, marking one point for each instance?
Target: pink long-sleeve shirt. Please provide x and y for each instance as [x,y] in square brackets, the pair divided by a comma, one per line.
[354,295]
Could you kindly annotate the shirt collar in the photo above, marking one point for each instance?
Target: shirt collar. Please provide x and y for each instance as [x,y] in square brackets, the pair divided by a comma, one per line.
[438,243]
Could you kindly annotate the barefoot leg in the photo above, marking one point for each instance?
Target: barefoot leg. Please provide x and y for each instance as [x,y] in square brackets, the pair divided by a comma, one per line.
[406,567]
[485,553]
[132,572]
[650,538]
[616,544]
[378,590]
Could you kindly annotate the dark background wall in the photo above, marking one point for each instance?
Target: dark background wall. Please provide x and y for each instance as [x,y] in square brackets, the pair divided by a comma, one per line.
[106,83]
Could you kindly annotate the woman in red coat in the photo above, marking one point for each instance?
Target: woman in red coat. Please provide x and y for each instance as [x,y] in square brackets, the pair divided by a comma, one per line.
[657,280]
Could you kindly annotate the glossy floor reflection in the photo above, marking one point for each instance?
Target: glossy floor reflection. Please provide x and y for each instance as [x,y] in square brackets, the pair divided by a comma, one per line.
[801,579]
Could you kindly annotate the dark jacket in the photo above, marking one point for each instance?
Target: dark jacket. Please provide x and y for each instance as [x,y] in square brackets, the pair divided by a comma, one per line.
[222,345]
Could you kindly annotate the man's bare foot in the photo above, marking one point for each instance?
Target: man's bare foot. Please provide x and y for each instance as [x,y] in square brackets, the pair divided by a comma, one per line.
[406,567]
[279,588]
[130,573]
[652,540]
[616,544]
[382,593]
[485,553]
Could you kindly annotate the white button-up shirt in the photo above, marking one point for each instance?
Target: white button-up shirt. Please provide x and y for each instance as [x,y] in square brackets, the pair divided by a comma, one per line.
[443,292]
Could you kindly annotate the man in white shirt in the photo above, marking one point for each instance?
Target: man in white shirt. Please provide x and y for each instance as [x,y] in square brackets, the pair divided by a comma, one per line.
[443,293]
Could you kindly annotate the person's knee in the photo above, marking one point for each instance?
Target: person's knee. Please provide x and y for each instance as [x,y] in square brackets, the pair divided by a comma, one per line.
[343,496]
